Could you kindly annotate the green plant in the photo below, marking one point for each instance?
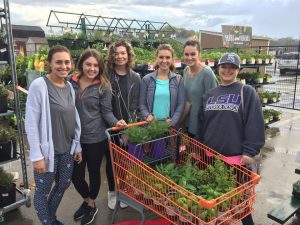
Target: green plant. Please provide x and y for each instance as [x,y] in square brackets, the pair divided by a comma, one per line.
[207,214]
[296,186]
[7,134]
[275,113]
[158,129]
[267,77]
[137,134]
[6,179]
[3,91]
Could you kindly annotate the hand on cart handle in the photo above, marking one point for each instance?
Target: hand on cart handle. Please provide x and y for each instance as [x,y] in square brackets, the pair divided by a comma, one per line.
[129,125]
[121,123]
[150,118]
[246,160]
[169,120]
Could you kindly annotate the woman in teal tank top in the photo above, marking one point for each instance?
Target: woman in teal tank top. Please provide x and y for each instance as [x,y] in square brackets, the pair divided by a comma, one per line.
[162,91]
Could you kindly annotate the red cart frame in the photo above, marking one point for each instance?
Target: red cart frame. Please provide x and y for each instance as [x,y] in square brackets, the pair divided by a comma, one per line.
[140,186]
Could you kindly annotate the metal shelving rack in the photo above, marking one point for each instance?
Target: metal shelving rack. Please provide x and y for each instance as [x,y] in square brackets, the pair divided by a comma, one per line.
[23,196]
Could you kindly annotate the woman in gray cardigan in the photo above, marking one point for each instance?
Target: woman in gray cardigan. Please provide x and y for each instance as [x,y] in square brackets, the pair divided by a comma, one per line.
[53,132]
[162,91]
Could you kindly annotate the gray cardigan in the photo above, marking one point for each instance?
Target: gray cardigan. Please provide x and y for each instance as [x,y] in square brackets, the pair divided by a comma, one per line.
[38,124]
[177,96]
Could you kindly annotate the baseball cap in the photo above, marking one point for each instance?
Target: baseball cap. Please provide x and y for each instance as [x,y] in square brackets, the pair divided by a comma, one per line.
[230,58]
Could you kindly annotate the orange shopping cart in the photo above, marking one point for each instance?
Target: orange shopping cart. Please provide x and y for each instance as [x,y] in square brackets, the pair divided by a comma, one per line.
[140,186]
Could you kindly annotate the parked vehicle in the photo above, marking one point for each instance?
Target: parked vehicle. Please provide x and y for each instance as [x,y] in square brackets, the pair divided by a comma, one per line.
[289,62]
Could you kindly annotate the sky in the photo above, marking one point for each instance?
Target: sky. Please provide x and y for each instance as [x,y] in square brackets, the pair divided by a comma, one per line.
[270,18]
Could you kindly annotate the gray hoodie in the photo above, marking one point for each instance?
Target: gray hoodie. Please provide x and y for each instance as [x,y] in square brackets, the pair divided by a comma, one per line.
[95,111]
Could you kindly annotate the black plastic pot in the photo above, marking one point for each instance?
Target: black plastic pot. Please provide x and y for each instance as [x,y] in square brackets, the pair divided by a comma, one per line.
[3,104]
[7,195]
[8,151]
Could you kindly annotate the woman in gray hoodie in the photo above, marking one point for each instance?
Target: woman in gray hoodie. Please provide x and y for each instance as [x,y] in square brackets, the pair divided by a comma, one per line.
[93,102]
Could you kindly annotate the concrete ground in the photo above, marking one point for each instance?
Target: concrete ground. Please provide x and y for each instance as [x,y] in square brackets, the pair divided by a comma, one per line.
[277,176]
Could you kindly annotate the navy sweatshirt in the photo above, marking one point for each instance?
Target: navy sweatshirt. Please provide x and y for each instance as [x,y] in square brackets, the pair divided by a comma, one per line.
[228,127]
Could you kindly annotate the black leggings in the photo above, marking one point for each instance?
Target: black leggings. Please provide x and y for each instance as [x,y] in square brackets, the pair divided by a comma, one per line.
[92,155]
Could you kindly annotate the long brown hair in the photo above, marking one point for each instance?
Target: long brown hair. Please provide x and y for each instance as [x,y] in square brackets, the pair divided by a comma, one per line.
[101,75]
[111,54]
[169,48]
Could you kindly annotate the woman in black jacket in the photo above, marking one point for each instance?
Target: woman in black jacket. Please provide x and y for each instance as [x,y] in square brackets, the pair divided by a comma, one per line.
[125,85]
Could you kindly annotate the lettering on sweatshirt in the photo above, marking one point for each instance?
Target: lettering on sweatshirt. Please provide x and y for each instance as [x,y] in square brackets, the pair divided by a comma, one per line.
[229,102]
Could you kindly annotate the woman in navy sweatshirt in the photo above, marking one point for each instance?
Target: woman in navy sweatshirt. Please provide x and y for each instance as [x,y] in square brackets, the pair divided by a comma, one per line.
[231,120]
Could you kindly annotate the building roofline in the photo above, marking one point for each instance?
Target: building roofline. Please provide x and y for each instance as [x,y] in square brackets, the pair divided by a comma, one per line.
[220,34]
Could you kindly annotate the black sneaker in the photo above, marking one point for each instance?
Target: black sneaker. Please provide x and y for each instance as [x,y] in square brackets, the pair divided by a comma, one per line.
[81,211]
[89,216]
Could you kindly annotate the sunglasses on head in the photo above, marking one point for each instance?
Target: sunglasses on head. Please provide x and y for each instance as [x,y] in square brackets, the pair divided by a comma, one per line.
[190,54]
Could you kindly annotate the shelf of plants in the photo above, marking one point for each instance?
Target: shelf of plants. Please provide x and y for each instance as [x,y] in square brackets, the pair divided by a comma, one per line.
[195,186]
[11,140]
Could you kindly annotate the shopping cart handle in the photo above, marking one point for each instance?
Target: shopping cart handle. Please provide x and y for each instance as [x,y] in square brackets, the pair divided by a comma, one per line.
[129,125]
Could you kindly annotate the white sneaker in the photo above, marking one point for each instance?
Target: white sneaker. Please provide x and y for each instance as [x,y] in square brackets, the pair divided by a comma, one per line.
[123,205]
[111,199]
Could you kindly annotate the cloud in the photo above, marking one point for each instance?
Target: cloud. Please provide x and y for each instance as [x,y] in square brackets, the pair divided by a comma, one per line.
[274,18]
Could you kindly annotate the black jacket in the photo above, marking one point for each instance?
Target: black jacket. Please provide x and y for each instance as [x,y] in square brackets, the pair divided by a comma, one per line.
[133,93]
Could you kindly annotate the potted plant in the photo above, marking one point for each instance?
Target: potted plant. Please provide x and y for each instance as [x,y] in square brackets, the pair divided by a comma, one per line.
[7,188]
[157,130]
[276,114]
[260,78]
[242,78]
[296,189]
[207,215]
[250,58]
[8,138]
[3,99]
[135,42]
[273,97]
[266,117]
[267,78]
[136,137]
[263,97]
[222,209]
[156,43]
[259,59]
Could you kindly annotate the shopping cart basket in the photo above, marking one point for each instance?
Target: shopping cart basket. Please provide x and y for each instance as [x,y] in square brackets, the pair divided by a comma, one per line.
[140,186]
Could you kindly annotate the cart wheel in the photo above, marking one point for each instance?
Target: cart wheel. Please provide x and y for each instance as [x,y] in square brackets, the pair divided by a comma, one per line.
[298,213]
[28,202]
[26,194]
